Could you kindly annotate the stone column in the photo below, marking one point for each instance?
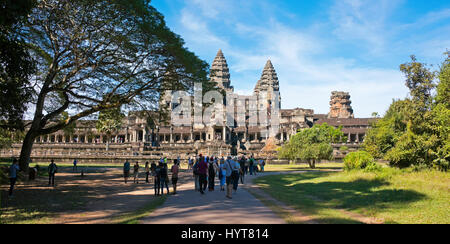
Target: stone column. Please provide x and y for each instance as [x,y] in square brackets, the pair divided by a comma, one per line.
[224,134]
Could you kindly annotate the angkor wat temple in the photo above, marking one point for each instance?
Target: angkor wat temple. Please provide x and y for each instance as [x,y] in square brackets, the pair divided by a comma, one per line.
[137,140]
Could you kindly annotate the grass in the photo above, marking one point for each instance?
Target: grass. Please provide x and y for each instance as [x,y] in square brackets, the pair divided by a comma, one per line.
[136,216]
[302,167]
[391,195]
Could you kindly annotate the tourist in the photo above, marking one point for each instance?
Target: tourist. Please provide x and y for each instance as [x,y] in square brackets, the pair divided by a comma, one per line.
[147,172]
[245,165]
[157,178]
[262,163]
[222,174]
[13,176]
[195,173]
[136,173]
[153,168]
[164,178]
[126,170]
[52,170]
[75,165]
[174,170]
[251,164]
[212,172]
[202,172]
[190,163]
[242,169]
[255,166]
[232,175]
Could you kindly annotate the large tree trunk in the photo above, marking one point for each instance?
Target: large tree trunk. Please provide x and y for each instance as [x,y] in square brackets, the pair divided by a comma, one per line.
[25,153]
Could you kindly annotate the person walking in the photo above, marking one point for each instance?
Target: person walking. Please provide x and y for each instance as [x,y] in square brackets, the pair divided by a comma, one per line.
[212,172]
[52,170]
[13,169]
[262,163]
[195,173]
[232,175]
[245,165]
[242,169]
[190,163]
[174,170]
[147,171]
[164,179]
[202,173]
[75,168]
[157,178]
[136,173]
[251,164]
[126,171]
[222,174]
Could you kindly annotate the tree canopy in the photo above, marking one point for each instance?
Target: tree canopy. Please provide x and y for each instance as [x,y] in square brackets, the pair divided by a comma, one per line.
[98,55]
[312,144]
[416,130]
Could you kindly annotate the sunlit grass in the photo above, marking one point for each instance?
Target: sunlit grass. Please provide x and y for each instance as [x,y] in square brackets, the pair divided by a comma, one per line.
[391,195]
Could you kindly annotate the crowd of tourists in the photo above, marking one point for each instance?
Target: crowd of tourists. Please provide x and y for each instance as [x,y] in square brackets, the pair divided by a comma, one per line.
[205,169]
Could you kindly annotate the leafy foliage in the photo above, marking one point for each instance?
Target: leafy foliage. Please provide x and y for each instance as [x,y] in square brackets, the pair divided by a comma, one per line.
[16,65]
[312,144]
[358,160]
[416,130]
[110,121]
[99,55]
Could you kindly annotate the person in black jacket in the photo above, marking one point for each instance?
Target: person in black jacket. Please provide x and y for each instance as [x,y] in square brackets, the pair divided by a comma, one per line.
[164,178]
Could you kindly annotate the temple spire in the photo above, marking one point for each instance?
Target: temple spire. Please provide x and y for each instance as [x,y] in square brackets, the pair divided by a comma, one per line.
[269,79]
[220,73]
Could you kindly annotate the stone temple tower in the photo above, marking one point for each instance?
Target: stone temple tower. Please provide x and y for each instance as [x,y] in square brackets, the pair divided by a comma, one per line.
[340,105]
[220,73]
[269,87]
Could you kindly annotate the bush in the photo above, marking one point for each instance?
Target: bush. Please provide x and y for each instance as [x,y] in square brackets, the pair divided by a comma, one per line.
[359,160]
[373,167]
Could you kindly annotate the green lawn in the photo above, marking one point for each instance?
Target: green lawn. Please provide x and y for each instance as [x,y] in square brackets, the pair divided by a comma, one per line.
[302,167]
[390,196]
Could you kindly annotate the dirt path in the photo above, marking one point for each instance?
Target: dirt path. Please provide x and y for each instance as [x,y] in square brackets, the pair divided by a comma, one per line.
[98,197]
[190,207]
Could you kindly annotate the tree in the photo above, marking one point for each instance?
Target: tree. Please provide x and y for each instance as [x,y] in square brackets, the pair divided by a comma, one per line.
[99,55]
[16,66]
[109,121]
[416,130]
[312,144]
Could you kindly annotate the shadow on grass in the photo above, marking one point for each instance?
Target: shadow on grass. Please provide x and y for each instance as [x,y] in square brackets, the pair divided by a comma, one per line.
[314,198]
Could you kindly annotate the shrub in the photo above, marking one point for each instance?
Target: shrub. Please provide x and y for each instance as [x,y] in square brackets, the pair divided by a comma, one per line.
[373,167]
[358,160]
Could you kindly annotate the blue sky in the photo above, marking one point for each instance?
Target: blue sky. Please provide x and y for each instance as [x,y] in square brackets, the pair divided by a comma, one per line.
[316,47]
